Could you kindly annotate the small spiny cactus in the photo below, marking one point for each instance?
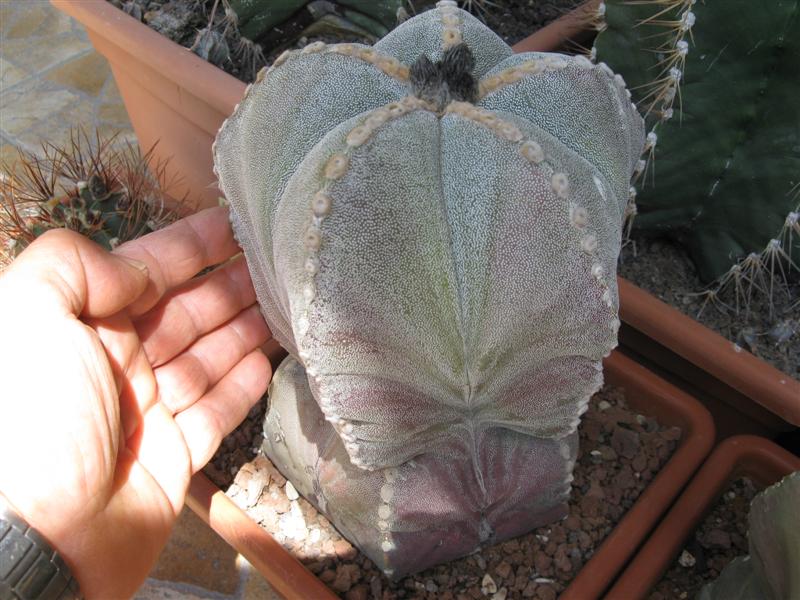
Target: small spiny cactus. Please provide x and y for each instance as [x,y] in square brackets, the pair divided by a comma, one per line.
[432,226]
[103,191]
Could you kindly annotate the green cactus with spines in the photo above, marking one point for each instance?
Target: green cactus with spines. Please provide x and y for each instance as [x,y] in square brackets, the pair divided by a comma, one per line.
[717,81]
[101,189]
[256,17]
[772,569]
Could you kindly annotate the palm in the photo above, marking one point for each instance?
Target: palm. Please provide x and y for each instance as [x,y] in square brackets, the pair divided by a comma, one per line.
[136,401]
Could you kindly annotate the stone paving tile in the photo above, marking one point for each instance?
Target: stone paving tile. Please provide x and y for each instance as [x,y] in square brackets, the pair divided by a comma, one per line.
[51,80]
[257,588]
[9,74]
[32,103]
[154,589]
[86,72]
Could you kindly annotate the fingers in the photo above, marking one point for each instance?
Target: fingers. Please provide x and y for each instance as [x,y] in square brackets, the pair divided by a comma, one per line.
[216,414]
[193,309]
[63,272]
[136,384]
[178,252]
[185,378]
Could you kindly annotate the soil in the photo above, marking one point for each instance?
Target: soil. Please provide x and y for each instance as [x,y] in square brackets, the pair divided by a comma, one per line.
[665,270]
[181,20]
[620,453]
[720,538]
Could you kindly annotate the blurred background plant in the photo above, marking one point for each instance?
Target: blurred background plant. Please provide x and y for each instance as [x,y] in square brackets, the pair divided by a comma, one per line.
[772,569]
[717,84]
[101,189]
[242,36]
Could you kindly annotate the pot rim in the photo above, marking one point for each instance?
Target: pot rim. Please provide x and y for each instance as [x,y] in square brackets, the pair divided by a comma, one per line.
[171,60]
[773,389]
[649,394]
[645,392]
[741,455]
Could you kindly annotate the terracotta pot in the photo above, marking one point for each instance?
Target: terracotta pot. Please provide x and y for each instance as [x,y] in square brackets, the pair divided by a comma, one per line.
[283,571]
[645,393]
[172,96]
[179,100]
[743,455]
[652,396]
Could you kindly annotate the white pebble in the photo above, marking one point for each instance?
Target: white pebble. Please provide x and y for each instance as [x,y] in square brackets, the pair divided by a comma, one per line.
[686,559]
[488,586]
[291,492]
[500,594]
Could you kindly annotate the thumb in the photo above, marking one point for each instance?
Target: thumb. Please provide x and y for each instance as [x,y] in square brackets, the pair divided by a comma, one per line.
[65,272]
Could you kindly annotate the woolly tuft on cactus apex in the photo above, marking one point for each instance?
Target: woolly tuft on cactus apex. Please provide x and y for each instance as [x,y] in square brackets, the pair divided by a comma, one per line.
[441,267]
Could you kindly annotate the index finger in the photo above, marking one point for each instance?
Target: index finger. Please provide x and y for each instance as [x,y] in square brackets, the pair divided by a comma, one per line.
[178,252]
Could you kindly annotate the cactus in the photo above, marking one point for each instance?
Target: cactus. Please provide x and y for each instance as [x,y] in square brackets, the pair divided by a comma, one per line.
[716,81]
[432,227]
[104,192]
[256,17]
[253,23]
[772,569]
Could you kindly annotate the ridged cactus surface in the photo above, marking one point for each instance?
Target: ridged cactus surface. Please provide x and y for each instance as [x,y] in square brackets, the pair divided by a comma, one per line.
[255,18]
[719,83]
[432,226]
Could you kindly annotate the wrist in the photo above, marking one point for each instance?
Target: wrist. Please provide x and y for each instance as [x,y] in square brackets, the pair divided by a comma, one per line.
[29,565]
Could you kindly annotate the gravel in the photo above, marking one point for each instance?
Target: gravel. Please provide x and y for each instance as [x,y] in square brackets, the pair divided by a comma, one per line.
[182,20]
[720,538]
[665,270]
[620,453]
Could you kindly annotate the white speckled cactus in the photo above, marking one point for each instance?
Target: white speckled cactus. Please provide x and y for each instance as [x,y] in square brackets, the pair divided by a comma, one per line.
[432,226]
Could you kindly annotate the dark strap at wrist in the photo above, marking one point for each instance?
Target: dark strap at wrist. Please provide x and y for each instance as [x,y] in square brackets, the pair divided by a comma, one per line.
[29,568]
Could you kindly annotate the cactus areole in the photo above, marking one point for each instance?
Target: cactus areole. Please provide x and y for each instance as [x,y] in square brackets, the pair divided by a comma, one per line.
[432,226]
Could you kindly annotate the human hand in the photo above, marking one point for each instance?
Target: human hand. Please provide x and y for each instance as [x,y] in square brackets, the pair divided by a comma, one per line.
[118,383]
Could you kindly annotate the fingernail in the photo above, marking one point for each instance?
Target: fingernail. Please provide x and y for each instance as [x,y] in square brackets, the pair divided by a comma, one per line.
[136,264]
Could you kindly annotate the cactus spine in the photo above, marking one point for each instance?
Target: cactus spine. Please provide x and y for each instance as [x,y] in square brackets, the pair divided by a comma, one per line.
[717,83]
[99,189]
